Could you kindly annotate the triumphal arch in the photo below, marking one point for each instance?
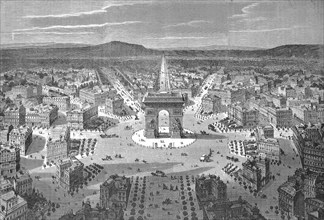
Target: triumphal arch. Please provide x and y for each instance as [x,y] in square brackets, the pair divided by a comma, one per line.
[173,104]
[163,99]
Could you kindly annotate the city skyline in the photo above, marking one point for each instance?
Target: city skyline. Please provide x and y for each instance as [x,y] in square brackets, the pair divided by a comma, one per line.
[164,24]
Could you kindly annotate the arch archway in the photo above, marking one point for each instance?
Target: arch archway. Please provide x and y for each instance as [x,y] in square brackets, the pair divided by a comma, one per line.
[163,122]
[156,109]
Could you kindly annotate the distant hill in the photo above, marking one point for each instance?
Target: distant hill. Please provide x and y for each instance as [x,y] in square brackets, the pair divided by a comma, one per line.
[112,49]
[285,51]
[305,51]
[213,47]
[121,49]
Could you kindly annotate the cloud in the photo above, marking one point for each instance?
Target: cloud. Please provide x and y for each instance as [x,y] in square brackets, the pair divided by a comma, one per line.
[246,11]
[253,19]
[78,26]
[66,15]
[93,12]
[266,30]
[54,33]
[190,23]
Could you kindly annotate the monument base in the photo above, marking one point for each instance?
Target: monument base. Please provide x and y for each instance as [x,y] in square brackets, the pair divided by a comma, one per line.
[168,142]
[149,134]
[164,132]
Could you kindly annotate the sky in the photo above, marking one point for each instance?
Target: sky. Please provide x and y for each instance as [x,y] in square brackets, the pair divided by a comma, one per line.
[164,23]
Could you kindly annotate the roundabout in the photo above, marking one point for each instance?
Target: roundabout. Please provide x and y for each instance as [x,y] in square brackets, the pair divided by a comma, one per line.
[139,138]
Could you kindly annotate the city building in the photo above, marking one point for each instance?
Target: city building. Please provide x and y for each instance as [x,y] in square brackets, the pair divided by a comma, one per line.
[314,209]
[9,160]
[14,116]
[312,183]
[264,165]
[264,132]
[114,105]
[268,131]
[309,113]
[58,145]
[232,210]
[74,118]
[13,207]
[114,192]
[256,172]
[211,104]
[70,90]
[291,199]
[280,117]
[23,91]
[243,116]
[278,101]
[23,183]
[69,173]
[38,90]
[89,213]
[291,92]
[210,189]
[308,140]
[77,118]
[229,96]
[5,185]
[4,134]
[269,148]
[237,95]
[93,96]
[21,136]
[268,112]
[42,115]
[62,102]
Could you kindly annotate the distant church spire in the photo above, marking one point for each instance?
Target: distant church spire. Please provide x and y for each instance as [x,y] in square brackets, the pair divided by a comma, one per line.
[164,79]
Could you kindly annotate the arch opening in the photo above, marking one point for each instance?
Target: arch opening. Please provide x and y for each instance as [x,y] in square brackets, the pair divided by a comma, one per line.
[164,122]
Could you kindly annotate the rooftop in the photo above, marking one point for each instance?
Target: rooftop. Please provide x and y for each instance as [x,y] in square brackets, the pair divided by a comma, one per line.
[271,140]
[289,188]
[22,129]
[170,97]
[41,108]
[211,96]
[8,147]
[72,162]
[120,182]
[8,196]
[95,90]
[75,163]
[4,183]
[58,133]
[12,109]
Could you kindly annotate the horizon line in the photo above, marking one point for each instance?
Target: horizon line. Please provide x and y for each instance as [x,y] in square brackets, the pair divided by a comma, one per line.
[157,48]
